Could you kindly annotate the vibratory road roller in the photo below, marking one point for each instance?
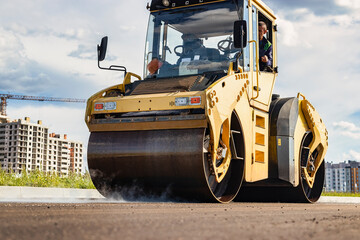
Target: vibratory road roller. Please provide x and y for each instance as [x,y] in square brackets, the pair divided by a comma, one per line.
[203,124]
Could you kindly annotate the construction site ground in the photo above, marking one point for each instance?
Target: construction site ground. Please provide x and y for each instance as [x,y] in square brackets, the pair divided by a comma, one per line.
[96,219]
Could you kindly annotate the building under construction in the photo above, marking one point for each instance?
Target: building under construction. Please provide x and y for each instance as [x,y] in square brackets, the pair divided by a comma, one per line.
[26,146]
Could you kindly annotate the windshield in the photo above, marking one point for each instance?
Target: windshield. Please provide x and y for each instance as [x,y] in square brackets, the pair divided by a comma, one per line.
[191,41]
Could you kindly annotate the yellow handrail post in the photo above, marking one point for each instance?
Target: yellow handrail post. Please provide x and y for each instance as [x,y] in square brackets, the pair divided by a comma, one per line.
[257,69]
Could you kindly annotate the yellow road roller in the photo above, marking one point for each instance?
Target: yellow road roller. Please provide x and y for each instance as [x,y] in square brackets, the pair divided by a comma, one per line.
[202,123]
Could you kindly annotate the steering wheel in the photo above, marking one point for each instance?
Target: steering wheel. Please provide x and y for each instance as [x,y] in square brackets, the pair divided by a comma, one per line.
[179,53]
[225,45]
[184,51]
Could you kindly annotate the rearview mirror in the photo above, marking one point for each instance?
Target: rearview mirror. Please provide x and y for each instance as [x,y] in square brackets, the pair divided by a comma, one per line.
[102,49]
[240,34]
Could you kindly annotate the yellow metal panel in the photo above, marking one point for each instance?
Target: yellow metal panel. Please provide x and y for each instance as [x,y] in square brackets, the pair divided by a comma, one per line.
[260,139]
[222,98]
[149,102]
[274,45]
[107,127]
[259,106]
[235,95]
[90,101]
[266,79]
[260,153]
[244,111]
[319,141]
[266,85]
[300,130]
[259,156]
[260,121]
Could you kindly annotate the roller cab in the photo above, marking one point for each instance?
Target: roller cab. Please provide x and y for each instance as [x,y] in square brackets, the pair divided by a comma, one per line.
[202,123]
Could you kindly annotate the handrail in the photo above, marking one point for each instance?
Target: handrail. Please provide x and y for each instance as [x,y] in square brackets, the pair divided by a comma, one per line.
[127,80]
[301,95]
[257,69]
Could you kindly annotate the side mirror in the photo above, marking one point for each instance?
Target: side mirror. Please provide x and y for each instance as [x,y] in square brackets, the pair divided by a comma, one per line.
[102,49]
[240,34]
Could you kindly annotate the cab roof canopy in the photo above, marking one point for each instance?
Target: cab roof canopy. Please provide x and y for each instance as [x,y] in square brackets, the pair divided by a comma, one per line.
[157,5]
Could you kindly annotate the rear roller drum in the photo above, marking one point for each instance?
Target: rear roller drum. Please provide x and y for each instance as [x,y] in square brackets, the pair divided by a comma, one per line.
[311,194]
[302,193]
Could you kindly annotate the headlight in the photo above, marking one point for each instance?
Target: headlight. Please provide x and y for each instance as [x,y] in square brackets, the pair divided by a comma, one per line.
[185,101]
[105,106]
[110,105]
[181,101]
[166,3]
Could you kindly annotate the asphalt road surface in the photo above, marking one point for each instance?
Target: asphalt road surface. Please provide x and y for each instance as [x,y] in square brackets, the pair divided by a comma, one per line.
[117,220]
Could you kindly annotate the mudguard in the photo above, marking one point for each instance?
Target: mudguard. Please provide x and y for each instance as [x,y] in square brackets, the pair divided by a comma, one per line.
[284,114]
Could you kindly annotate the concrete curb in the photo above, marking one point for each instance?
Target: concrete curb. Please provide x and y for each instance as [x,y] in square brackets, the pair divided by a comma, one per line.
[47,193]
[66,194]
[351,200]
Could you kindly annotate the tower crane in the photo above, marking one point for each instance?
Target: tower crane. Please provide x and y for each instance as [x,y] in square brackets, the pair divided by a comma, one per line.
[5,97]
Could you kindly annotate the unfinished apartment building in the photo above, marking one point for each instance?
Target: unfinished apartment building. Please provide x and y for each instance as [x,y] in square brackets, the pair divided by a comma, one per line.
[63,155]
[26,146]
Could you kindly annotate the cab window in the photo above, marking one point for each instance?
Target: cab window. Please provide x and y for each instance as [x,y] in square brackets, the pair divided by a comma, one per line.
[265,31]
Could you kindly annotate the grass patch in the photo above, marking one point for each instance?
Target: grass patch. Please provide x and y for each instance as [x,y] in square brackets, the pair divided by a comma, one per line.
[340,194]
[41,179]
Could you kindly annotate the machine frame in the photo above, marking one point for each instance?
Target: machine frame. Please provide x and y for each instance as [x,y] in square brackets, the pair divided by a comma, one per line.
[270,156]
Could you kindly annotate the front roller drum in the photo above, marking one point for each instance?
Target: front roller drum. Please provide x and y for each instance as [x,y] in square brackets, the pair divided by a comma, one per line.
[153,163]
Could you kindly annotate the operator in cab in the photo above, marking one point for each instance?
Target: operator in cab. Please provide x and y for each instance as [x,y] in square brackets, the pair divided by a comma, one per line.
[265,49]
[191,50]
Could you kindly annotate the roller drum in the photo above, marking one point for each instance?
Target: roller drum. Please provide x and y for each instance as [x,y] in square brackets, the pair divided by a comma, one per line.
[259,192]
[154,163]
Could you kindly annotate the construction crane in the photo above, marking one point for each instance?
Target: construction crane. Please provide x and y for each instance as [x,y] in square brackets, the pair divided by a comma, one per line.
[5,97]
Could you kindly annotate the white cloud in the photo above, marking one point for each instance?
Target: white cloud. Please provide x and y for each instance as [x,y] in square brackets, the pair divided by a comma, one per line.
[84,52]
[65,43]
[346,126]
[287,33]
[351,155]
[17,71]
[319,7]
[352,4]
[79,33]
[347,129]
[38,64]
[10,47]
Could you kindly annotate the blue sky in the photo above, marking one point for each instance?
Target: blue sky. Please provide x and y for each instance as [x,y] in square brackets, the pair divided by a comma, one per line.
[48,48]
